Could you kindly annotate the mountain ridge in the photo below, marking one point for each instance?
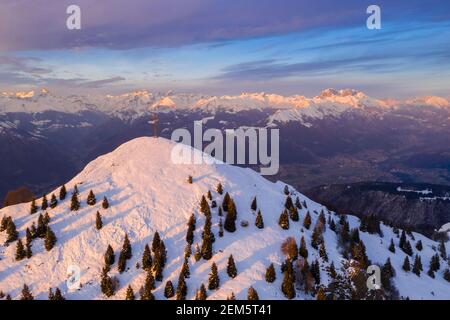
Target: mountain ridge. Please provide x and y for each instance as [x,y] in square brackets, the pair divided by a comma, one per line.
[148,193]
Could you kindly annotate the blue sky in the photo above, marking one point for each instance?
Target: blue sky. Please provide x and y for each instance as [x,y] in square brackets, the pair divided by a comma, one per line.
[226,47]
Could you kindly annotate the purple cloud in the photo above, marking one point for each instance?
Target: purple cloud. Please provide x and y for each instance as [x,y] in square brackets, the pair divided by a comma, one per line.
[41,24]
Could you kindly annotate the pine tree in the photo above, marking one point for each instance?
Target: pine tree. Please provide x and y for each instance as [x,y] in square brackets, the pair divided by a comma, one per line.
[332,225]
[321,294]
[130,294]
[303,251]
[201,293]
[50,239]
[447,275]
[435,264]
[252,294]
[58,295]
[204,207]
[271,274]
[226,201]
[298,204]
[147,258]
[91,200]
[11,231]
[4,223]
[169,291]
[122,264]
[26,293]
[287,286]
[406,265]
[231,267]
[62,193]
[209,195]
[187,251]
[315,271]
[190,180]
[106,284]
[417,267]
[150,281]
[288,204]
[44,204]
[74,202]
[219,188]
[149,285]
[442,250]
[41,227]
[354,235]
[407,248]
[98,221]
[332,271]
[254,205]
[46,218]
[181,288]
[307,221]
[316,238]
[345,232]
[156,243]
[387,270]
[402,241]
[20,251]
[185,269]
[220,212]
[105,203]
[33,231]
[126,248]
[191,229]
[323,252]
[392,246]
[51,295]
[214,281]
[198,253]
[230,219]
[29,239]
[159,261]
[284,220]
[33,208]
[207,247]
[53,201]
[286,190]
[419,245]
[220,228]
[109,256]
[259,222]
[293,214]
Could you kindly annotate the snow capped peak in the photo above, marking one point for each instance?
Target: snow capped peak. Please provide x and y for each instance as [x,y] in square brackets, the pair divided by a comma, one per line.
[430,101]
[328,93]
[19,94]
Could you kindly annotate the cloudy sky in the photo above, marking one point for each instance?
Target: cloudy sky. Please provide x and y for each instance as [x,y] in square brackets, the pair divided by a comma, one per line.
[227,46]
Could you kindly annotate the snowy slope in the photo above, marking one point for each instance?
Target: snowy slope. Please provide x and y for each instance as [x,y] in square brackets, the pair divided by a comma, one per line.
[149,193]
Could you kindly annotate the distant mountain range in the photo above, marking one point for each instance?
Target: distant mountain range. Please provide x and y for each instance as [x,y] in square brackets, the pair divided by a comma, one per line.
[339,136]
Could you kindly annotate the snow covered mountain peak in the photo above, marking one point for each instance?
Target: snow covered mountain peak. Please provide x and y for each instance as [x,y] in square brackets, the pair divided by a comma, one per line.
[147,192]
[430,101]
